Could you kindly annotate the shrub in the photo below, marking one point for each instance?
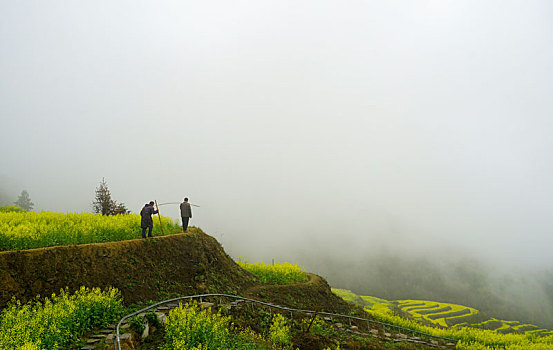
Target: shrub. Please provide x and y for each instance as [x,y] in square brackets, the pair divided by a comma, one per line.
[279,332]
[152,319]
[55,322]
[137,324]
[191,328]
[316,326]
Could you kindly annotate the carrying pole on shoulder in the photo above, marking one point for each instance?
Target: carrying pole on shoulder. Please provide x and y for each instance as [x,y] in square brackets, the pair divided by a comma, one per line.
[159,216]
[194,205]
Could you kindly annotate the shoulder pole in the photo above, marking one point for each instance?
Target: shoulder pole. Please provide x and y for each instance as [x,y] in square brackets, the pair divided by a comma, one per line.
[159,216]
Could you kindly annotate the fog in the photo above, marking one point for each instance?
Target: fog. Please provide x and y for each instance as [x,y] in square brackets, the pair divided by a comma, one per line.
[340,135]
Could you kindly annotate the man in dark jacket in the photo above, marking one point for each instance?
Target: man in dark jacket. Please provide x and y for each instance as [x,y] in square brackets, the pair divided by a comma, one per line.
[146,221]
[185,213]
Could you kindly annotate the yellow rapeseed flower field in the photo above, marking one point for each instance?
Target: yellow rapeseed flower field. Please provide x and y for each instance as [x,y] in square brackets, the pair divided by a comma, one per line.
[55,322]
[279,273]
[27,230]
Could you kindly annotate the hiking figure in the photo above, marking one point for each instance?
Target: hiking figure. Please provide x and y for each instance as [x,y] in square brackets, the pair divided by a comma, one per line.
[146,221]
[185,213]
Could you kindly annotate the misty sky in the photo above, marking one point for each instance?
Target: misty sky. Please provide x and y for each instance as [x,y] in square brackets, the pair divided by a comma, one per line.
[422,125]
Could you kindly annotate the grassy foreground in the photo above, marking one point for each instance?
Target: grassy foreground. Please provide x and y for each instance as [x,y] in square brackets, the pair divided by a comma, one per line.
[190,327]
[55,322]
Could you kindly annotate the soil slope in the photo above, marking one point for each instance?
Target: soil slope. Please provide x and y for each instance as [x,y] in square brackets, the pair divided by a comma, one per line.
[152,269]
[314,294]
[141,269]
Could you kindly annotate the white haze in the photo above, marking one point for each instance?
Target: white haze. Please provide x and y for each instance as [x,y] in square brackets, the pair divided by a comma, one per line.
[299,127]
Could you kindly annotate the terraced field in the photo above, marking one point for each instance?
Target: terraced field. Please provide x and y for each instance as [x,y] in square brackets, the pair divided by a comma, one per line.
[442,315]
[437,314]
[452,315]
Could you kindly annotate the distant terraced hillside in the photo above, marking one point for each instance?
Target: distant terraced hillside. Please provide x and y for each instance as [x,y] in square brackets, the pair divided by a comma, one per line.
[443,315]
[438,314]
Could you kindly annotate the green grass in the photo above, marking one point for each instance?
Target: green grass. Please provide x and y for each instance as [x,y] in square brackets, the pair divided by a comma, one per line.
[279,273]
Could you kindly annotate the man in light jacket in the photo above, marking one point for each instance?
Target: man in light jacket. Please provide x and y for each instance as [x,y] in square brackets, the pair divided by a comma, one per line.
[185,213]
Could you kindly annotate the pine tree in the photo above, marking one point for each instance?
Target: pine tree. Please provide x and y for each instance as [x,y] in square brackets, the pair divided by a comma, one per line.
[103,204]
[24,201]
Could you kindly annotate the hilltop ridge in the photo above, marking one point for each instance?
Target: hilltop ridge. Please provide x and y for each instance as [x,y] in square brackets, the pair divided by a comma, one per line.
[141,269]
[151,269]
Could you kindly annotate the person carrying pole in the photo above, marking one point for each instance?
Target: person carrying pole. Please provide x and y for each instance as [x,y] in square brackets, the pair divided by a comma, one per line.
[146,221]
[185,213]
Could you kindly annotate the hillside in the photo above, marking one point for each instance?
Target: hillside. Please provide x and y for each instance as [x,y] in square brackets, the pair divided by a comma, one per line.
[140,269]
[153,269]
[195,263]
[472,329]
[169,266]
[441,314]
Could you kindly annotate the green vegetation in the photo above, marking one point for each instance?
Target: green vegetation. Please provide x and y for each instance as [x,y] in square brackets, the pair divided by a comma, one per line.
[279,332]
[189,327]
[468,337]
[317,326]
[55,322]
[137,324]
[152,319]
[361,300]
[280,273]
[25,230]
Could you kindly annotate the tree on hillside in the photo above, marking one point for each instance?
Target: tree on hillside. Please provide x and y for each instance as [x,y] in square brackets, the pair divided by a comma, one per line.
[24,201]
[104,204]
